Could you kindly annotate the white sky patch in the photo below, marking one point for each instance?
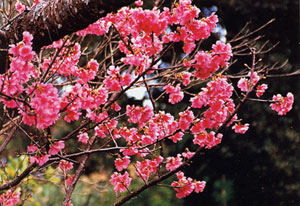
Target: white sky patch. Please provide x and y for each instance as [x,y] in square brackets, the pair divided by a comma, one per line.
[147,102]
[137,93]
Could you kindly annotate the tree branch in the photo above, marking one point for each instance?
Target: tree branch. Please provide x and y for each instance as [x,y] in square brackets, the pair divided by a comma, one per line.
[19,178]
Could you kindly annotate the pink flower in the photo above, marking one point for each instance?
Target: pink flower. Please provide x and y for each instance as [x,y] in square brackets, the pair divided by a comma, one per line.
[260,89]
[115,106]
[32,148]
[19,7]
[83,137]
[243,84]
[185,78]
[185,119]
[70,180]
[125,80]
[173,162]
[65,165]
[185,186]
[10,198]
[122,163]
[199,186]
[41,160]
[26,53]
[188,154]
[207,140]
[241,129]
[148,167]
[138,114]
[46,105]
[56,147]
[175,94]
[177,137]
[139,3]
[27,38]
[112,84]
[120,182]
[282,105]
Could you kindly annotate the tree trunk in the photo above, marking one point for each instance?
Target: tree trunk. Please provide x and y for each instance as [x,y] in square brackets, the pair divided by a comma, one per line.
[51,20]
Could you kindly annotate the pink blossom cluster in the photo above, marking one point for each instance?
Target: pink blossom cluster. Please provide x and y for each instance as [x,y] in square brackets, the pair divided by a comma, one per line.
[56,147]
[148,167]
[239,128]
[138,114]
[185,119]
[281,104]
[260,89]
[143,34]
[160,126]
[122,163]
[244,83]
[176,95]
[83,137]
[120,182]
[146,41]
[100,27]
[20,70]
[65,165]
[207,63]
[207,140]
[10,198]
[39,159]
[217,96]
[44,107]
[174,162]
[66,61]
[83,97]
[115,81]
[185,186]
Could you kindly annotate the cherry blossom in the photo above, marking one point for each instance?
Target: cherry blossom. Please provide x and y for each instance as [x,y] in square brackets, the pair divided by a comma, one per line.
[239,128]
[65,165]
[120,182]
[56,147]
[10,198]
[122,163]
[282,105]
[83,137]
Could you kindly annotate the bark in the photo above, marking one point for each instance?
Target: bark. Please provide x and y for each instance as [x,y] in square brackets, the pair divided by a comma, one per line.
[51,20]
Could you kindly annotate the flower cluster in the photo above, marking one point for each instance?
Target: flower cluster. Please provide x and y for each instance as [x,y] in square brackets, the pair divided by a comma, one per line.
[174,162]
[20,71]
[185,186]
[282,105]
[207,63]
[120,182]
[245,83]
[122,163]
[138,114]
[44,107]
[115,81]
[83,97]
[148,167]
[56,147]
[175,94]
[10,198]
